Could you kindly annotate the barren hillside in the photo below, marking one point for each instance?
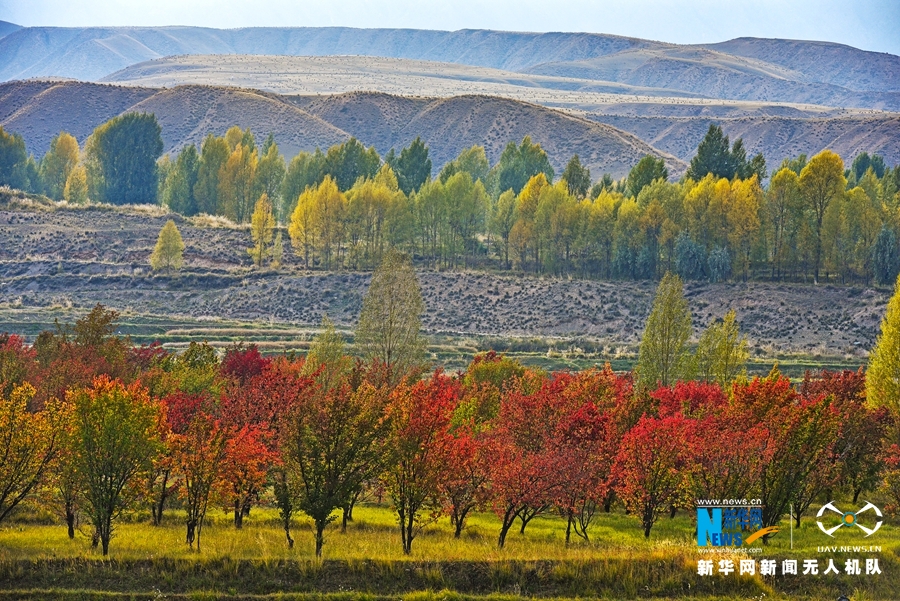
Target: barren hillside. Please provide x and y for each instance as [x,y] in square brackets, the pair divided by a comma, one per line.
[453,124]
[40,110]
[717,75]
[826,62]
[774,70]
[775,136]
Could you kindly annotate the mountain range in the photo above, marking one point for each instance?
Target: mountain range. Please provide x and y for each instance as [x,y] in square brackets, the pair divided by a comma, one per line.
[608,98]
[38,110]
[741,69]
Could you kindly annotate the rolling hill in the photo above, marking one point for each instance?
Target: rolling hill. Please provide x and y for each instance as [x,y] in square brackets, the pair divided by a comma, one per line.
[674,125]
[717,75]
[777,137]
[7,28]
[745,68]
[39,110]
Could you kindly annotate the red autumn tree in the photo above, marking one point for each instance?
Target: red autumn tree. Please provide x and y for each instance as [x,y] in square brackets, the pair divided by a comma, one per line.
[799,436]
[18,363]
[419,441]
[860,443]
[582,449]
[245,468]
[523,477]
[653,468]
[465,482]
[333,441]
[243,363]
[198,453]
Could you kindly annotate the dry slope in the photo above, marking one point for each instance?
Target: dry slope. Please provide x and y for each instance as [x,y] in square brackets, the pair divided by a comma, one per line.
[40,110]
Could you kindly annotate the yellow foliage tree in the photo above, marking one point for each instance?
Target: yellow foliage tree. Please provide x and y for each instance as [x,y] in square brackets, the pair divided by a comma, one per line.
[28,444]
[883,376]
[76,188]
[58,163]
[168,254]
[237,183]
[317,222]
[262,228]
[821,182]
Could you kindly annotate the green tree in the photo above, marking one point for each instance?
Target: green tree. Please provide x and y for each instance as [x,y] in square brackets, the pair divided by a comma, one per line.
[863,162]
[518,164]
[181,180]
[713,156]
[349,161]
[886,256]
[390,320]
[412,167]
[326,356]
[58,163]
[13,161]
[663,357]
[115,442]
[270,172]
[76,189]
[472,160]
[722,352]
[821,182]
[690,258]
[262,228]
[577,177]
[305,171]
[503,218]
[883,375]
[169,250]
[213,156]
[644,173]
[125,150]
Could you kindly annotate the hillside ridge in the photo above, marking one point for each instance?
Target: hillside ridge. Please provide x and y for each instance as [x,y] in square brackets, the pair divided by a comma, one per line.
[40,110]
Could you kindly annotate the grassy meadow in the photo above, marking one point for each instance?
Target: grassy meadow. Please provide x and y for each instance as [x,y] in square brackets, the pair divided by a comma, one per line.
[38,560]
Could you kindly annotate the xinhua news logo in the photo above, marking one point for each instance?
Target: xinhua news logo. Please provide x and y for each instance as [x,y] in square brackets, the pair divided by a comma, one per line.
[829,523]
[720,525]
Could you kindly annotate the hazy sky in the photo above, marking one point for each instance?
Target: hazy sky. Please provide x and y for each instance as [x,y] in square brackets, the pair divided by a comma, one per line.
[867,24]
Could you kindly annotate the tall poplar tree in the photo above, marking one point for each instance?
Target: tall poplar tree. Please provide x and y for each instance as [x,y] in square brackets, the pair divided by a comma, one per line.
[883,376]
[663,357]
[390,321]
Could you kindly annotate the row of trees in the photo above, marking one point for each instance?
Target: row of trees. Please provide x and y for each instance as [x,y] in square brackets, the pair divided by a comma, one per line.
[342,208]
[323,432]
[97,426]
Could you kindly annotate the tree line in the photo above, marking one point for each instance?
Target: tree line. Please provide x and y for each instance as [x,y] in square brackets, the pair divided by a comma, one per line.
[93,426]
[814,219]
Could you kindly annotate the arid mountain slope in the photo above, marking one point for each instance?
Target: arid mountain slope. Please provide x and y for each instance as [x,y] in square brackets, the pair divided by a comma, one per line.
[89,53]
[40,110]
[7,28]
[717,75]
[337,74]
[775,136]
[450,125]
[826,62]
[774,70]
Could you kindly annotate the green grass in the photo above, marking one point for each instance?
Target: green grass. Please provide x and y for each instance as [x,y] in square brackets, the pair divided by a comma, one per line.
[39,561]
